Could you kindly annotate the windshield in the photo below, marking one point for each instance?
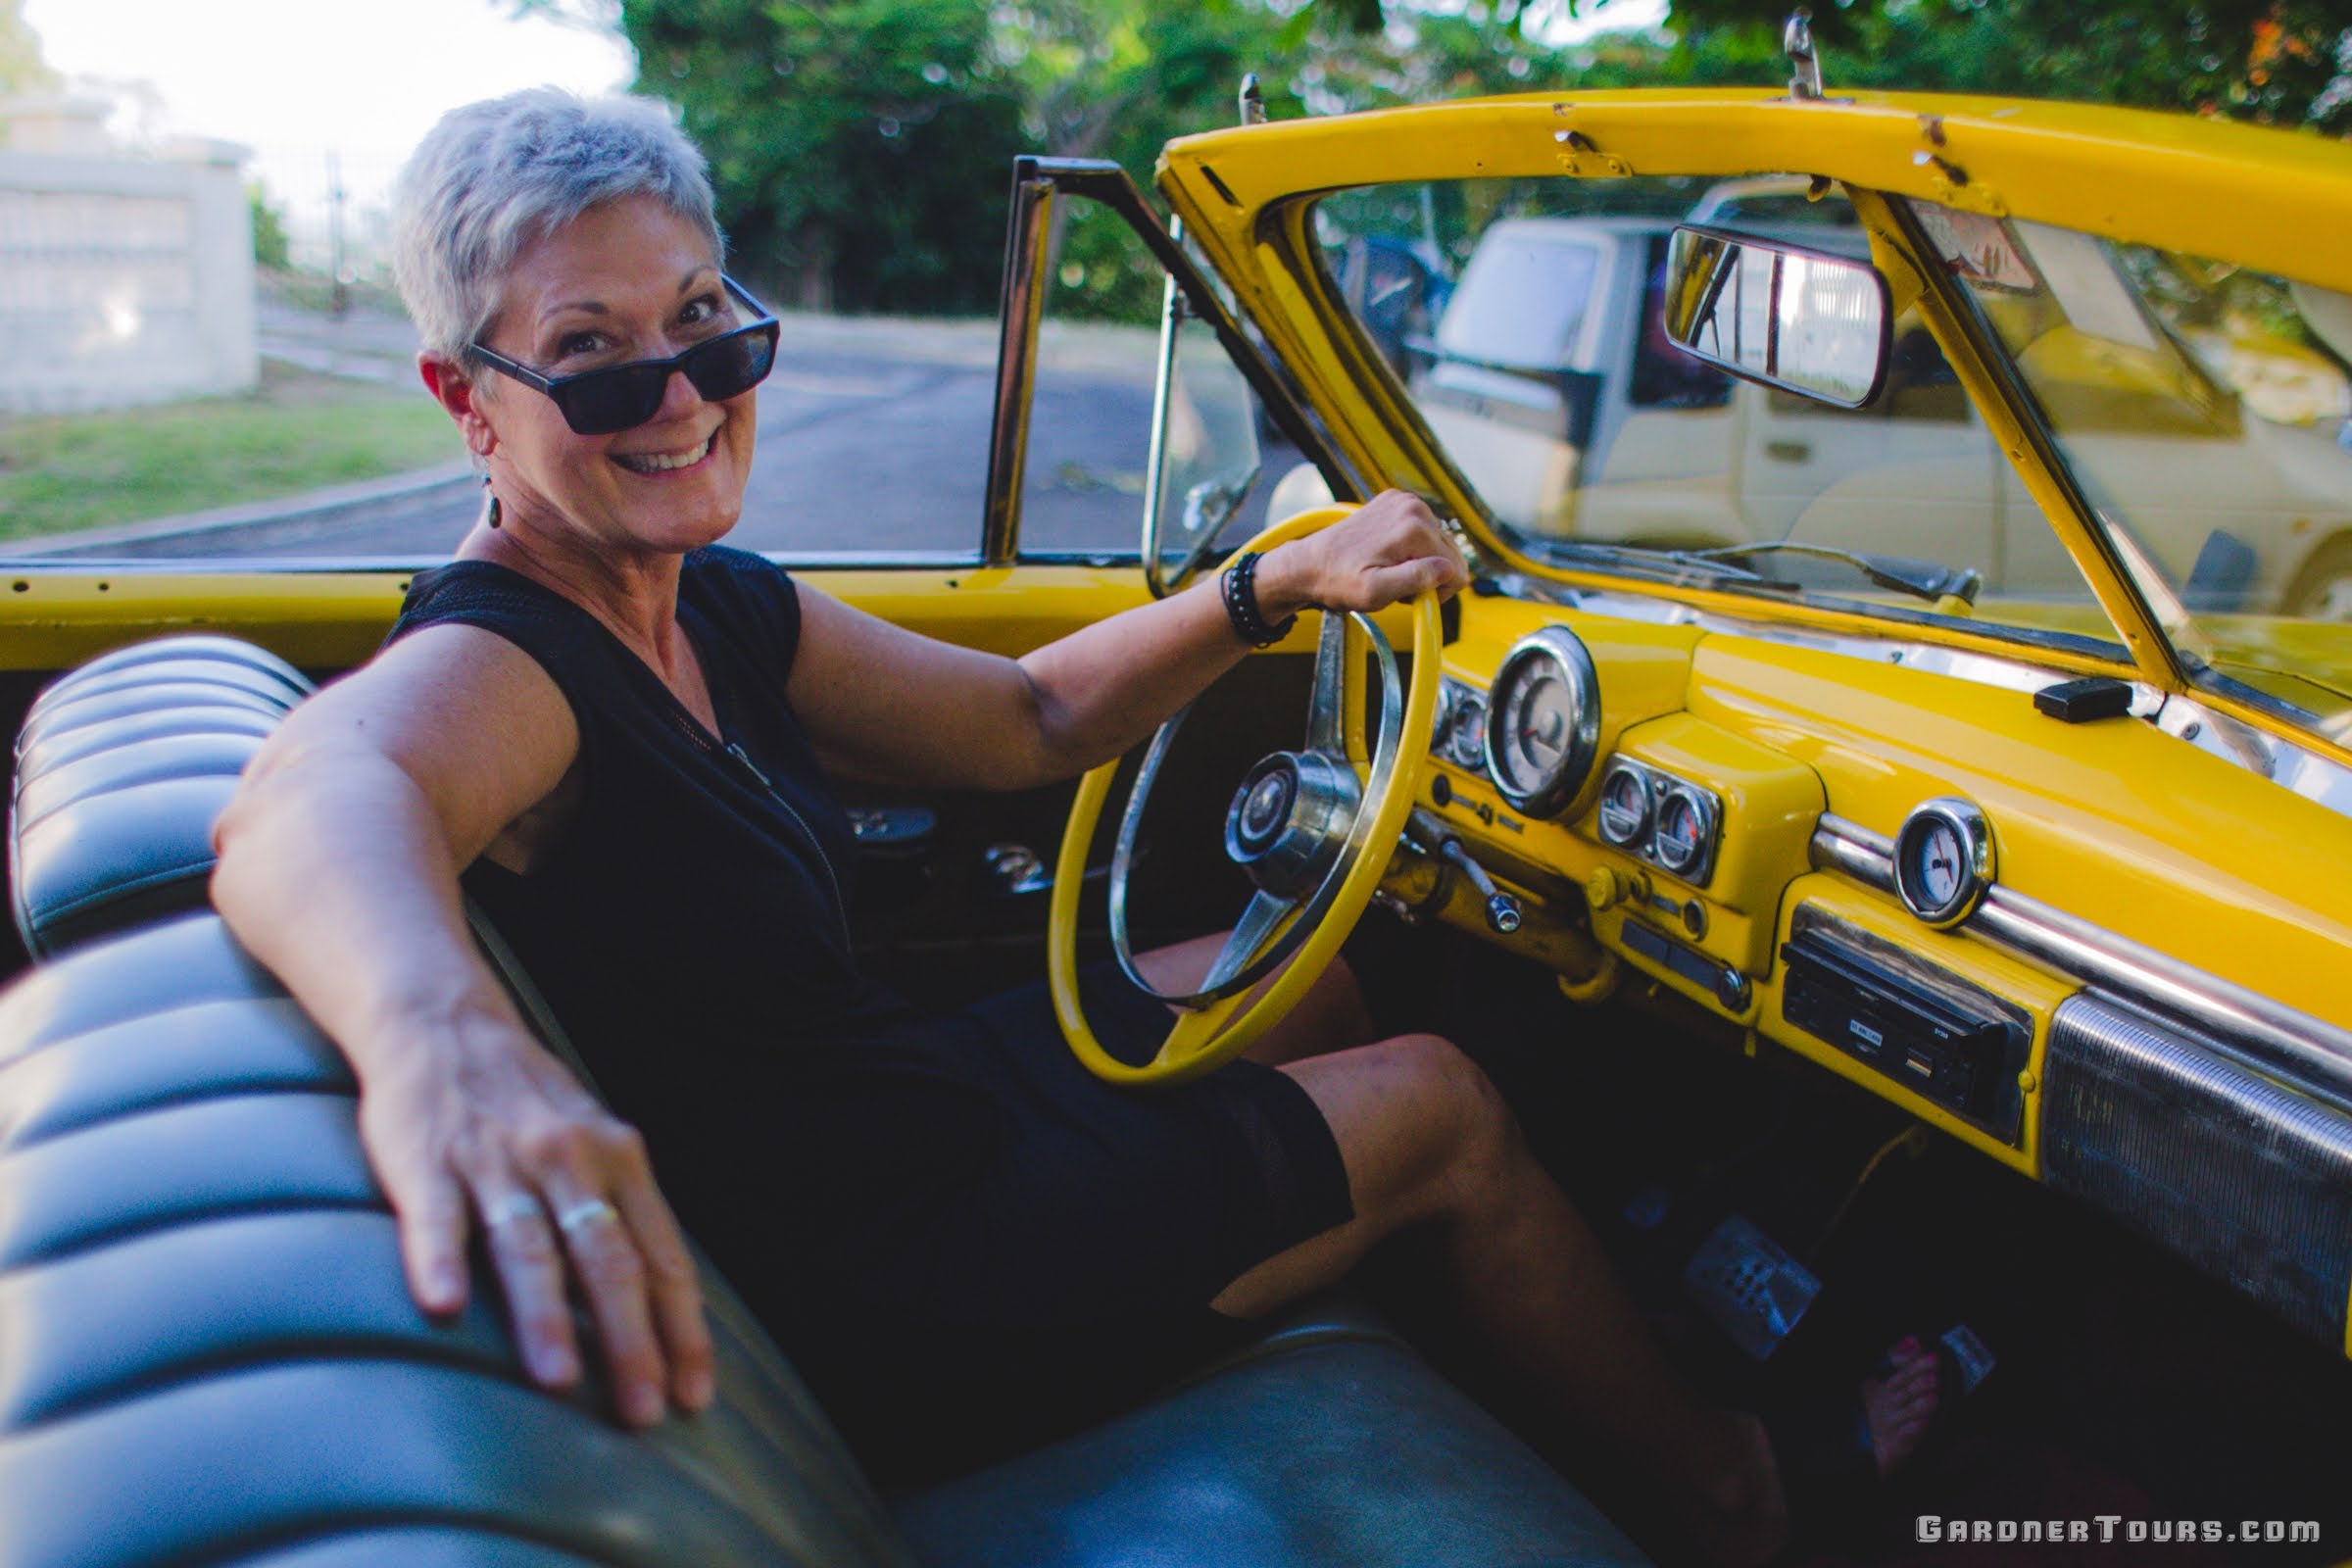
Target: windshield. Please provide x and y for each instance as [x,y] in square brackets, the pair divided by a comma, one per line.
[2205,410]
[1535,351]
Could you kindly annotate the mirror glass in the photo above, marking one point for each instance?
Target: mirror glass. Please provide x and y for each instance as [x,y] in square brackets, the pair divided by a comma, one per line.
[1786,317]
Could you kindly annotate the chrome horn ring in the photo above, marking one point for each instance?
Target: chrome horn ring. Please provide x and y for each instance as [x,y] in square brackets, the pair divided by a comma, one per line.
[1292,825]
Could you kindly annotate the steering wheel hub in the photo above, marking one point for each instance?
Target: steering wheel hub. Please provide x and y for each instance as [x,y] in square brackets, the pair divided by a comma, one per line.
[1290,820]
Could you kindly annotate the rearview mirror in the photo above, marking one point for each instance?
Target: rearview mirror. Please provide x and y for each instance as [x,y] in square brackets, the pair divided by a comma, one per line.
[1789,317]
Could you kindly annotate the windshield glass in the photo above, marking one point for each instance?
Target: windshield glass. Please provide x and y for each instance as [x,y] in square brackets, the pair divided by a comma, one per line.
[1531,337]
[2206,413]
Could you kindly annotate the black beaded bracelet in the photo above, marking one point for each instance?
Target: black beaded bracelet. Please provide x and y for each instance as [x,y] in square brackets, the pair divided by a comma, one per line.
[1239,585]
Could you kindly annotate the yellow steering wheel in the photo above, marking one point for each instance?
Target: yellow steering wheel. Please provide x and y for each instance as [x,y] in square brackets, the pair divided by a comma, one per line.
[1314,828]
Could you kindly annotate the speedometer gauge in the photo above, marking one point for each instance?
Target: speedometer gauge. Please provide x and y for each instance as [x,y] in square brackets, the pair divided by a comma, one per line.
[1543,727]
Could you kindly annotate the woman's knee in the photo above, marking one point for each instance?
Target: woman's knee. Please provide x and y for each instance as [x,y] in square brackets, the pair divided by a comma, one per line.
[1429,1127]
[1484,1134]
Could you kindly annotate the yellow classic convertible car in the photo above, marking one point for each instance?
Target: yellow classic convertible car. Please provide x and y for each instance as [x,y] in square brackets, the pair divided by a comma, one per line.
[1929,913]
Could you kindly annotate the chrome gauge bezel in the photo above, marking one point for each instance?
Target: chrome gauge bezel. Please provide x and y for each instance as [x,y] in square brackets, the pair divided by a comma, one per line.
[1976,868]
[1465,739]
[1658,787]
[1561,653]
[1692,867]
[1617,824]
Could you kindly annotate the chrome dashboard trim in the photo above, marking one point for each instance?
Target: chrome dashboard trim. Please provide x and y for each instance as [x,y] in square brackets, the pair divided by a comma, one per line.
[2276,1038]
[2320,780]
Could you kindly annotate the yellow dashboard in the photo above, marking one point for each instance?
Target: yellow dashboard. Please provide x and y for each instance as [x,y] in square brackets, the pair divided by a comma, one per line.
[1743,810]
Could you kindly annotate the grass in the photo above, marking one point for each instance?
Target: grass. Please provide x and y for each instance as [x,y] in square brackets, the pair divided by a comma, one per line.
[296,432]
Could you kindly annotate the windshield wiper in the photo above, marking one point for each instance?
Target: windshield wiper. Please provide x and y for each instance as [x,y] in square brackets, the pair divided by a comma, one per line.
[1693,562]
[1926,579]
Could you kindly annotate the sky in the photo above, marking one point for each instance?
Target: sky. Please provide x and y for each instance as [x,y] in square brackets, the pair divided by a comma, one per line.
[296,79]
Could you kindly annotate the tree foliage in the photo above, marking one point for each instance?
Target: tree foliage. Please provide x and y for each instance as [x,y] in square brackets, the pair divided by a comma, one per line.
[862,148]
[270,247]
[2275,62]
[857,145]
[22,69]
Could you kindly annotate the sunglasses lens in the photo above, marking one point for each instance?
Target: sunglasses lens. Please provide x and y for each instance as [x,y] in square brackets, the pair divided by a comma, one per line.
[602,402]
[730,367]
[605,401]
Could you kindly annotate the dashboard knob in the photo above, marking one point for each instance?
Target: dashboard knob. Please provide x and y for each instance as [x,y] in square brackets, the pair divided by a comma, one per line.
[1608,886]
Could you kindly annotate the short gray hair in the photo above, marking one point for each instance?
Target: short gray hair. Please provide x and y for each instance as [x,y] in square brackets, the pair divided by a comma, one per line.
[495,175]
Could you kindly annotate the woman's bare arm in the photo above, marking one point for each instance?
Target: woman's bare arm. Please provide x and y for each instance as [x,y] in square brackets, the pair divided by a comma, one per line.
[338,870]
[891,706]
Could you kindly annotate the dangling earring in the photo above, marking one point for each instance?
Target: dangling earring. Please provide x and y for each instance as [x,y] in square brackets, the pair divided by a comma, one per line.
[490,511]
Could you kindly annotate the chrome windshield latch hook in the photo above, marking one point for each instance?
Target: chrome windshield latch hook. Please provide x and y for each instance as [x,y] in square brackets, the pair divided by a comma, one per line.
[1804,63]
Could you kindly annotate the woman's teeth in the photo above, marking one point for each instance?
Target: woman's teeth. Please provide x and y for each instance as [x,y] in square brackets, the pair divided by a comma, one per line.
[657,462]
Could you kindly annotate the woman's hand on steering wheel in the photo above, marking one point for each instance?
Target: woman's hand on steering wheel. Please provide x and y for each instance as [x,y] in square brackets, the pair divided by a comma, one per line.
[479,1124]
[1388,550]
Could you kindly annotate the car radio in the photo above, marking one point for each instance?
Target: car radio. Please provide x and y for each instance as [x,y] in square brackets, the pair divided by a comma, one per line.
[1929,1030]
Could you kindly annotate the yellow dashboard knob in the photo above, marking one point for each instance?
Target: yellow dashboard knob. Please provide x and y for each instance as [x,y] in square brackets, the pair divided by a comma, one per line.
[1608,886]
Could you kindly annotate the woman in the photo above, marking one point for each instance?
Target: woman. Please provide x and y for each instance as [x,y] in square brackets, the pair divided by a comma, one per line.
[620,736]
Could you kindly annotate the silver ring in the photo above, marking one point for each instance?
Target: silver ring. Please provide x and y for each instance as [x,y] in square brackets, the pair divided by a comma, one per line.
[512,1208]
[587,1211]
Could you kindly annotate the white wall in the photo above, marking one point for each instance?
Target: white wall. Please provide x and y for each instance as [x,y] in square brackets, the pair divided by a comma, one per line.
[122,280]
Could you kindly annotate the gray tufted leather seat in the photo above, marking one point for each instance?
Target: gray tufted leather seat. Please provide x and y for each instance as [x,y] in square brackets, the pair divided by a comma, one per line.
[207,1352]
[121,767]
[213,1355]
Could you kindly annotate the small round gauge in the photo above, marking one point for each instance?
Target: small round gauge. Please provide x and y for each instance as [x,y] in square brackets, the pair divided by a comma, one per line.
[1943,861]
[1624,806]
[1543,722]
[1465,739]
[1682,832]
[1440,727]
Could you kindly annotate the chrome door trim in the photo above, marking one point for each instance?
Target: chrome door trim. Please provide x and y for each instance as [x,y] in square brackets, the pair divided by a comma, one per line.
[1028,232]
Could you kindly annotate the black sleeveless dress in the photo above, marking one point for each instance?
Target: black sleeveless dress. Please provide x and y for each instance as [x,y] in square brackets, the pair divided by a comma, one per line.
[962,1239]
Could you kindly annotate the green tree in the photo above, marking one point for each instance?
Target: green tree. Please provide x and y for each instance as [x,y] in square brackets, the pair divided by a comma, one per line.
[269,230]
[859,148]
[22,68]
[1118,79]
[2275,62]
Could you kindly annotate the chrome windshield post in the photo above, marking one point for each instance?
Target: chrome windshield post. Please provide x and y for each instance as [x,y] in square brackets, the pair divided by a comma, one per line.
[1025,242]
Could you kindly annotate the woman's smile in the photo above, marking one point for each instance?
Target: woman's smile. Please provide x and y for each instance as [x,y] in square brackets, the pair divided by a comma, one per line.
[661,462]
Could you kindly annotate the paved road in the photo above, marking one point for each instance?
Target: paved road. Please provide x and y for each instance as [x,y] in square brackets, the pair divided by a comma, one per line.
[873,435]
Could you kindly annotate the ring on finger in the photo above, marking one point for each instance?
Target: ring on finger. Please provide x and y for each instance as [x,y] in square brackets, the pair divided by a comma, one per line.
[587,1211]
[509,1208]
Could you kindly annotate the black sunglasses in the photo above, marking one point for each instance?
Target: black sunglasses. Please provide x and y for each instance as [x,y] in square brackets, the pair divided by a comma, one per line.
[620,397]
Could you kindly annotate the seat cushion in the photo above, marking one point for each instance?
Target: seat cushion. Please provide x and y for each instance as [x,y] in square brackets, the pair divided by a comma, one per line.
[211,1350]
[1329,1444]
